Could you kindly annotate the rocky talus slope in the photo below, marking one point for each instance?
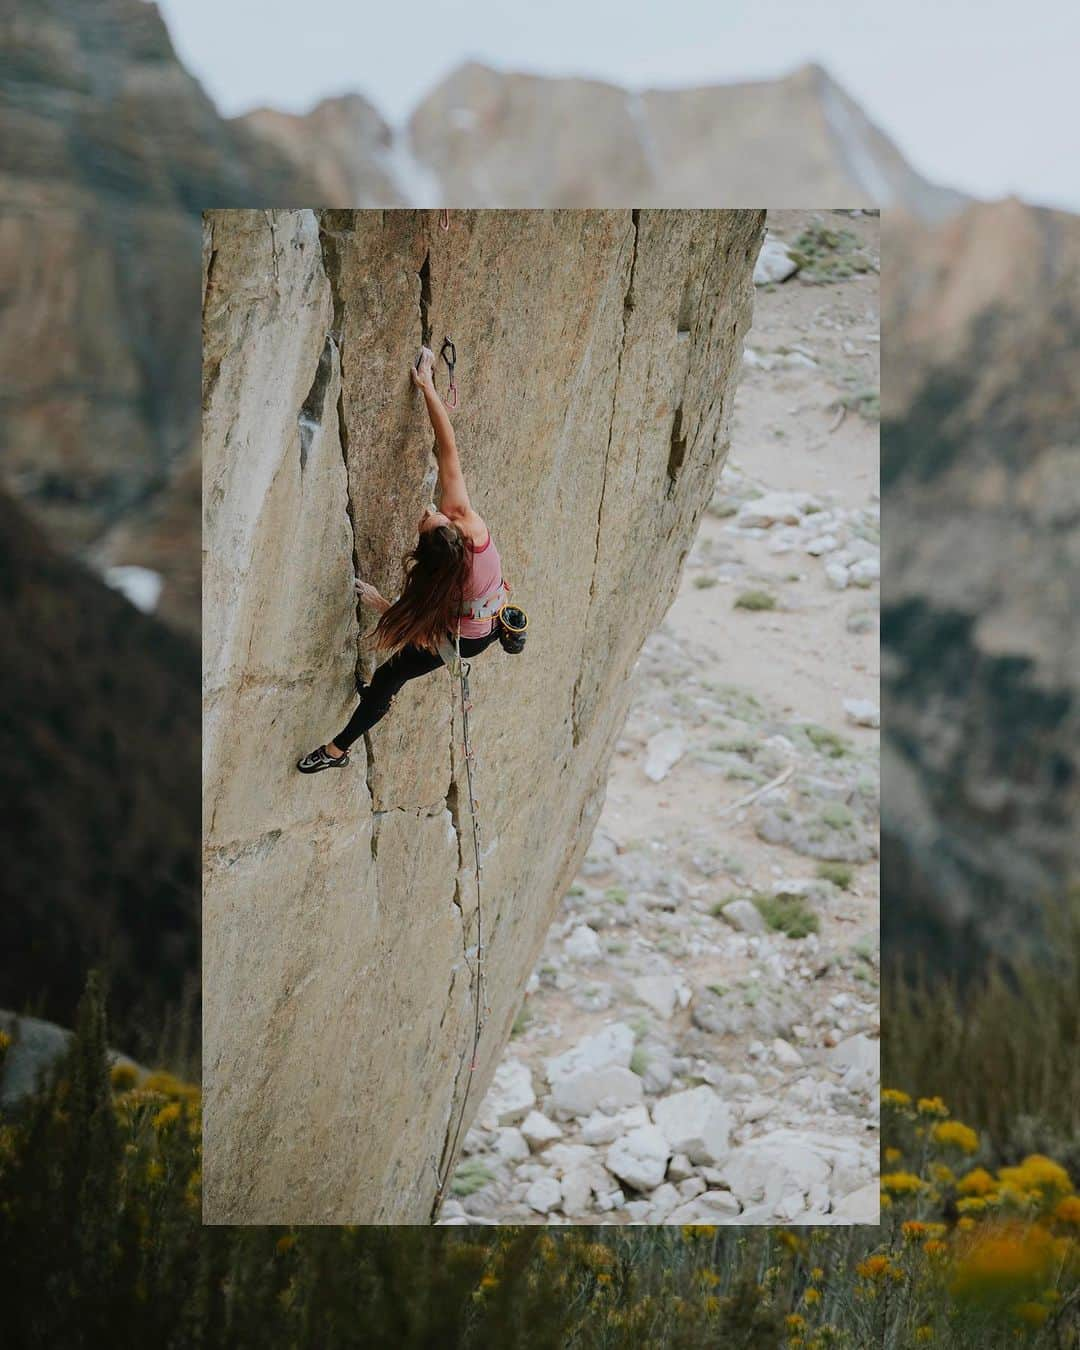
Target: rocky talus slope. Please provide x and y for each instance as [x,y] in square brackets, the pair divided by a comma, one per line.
[597,354]
[111,151]
[981,643]
[484,137]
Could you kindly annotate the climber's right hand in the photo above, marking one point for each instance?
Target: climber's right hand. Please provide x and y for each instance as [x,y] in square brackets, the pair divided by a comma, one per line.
[423,372]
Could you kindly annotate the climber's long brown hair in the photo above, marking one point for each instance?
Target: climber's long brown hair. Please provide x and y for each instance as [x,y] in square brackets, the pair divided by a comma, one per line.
[430,601]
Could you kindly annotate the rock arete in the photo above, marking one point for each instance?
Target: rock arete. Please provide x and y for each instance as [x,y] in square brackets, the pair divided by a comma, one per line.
[597,357]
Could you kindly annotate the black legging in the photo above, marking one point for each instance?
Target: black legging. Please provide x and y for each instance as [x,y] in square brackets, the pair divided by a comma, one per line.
[407,664]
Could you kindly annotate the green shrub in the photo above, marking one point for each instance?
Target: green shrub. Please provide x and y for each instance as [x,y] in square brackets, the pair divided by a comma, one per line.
[755,600]
[788,913]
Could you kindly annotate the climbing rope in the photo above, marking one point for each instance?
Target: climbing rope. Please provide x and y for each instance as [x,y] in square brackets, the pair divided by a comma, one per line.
[444,219]
[477,972]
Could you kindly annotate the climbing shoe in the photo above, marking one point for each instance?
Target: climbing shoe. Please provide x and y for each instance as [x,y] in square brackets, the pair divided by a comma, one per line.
[319,759]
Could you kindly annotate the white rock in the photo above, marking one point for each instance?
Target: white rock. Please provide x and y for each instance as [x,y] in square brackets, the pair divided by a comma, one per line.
[544,1195]
[681,1168]
[695,1122]
[858,1059]
[862,712]
[605,1129]
[613,1044]
[660,992]
[140,585]
[609,1089]
[861,1206]
[836,574]
[773,1167]
[576,1192]
[757,1108]
[663,752]
[786,1054]
[583,944]
[865,571]
[774,262]
[510,1097]
[720,1202]
[775,508]
[640,1158]
[823,543]
[510,1145]
[690,1187]
[538,1130]
[663,1200]
[744,916]
[789,1206]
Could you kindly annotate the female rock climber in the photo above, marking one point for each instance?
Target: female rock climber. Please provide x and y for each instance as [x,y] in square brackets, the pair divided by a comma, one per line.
[452,575]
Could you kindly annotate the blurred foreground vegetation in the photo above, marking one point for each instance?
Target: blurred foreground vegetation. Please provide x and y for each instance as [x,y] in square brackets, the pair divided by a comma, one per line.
[101,1239]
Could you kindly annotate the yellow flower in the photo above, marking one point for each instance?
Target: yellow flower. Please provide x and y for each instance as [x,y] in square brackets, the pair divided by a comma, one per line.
[913,1229]
[711,1304]
[169,1086]
[123,1076]
[935,1247]
[902,1183]
[893,1155]
[894,1097]
[1032,1314]
[489,1281]
[709,1277]
[932,1106]
[978,1182]
[5,1041]
[952,1133]
[817,1274]
[1068,1210]
[168,1115]
[876,1268]
[155,1171]
[924,1333]
[1005,1262]
[965,1224]
[603,1278]
[284,1243]
[794,1322]
[972,1204]
[812,1296]
[1037,1175]
[944,1176]
[698,1230]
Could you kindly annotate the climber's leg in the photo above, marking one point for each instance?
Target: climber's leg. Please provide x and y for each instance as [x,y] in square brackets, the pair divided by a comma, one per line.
[407,664]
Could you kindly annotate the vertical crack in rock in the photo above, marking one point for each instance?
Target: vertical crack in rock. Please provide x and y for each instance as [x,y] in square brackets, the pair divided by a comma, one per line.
[425,300]
[310,418]
[627,310]
[332,268]
[678,451]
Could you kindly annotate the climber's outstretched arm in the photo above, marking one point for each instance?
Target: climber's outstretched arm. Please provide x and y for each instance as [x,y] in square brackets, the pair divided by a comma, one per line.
[454,497]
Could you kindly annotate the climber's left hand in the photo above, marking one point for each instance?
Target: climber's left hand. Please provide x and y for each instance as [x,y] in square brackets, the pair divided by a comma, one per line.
[368,595]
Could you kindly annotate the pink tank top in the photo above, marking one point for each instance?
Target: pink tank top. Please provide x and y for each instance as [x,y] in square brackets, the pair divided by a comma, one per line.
[484,577]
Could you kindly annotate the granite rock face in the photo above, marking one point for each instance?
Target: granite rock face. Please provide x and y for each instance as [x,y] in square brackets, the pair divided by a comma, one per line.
[980,637]
[111,151]
[597,354]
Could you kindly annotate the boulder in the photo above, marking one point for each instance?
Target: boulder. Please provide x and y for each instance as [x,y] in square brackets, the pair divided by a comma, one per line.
[510,1097]
[695,1122]
[640,1158]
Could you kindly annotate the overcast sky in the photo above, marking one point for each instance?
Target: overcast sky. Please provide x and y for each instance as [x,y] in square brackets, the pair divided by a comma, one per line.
[973,97]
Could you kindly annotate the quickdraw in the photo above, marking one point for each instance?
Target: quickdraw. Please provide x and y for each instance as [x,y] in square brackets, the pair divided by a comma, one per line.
[451,362]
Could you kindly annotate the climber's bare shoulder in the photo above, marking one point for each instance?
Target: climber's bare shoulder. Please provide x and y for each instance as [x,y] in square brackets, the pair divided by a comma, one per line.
[471,524]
